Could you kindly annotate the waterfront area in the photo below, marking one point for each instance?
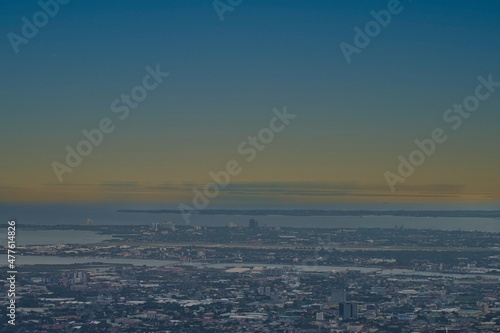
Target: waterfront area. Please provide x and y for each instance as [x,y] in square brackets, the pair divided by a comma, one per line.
[179,278]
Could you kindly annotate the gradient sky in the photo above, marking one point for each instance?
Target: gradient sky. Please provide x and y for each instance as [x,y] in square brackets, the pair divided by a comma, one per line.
[353,120]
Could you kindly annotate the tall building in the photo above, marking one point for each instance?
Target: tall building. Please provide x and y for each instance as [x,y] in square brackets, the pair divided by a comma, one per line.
[253,225]
[348,310]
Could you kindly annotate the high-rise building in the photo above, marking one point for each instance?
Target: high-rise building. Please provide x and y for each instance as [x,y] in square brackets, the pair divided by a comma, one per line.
[253,225]
[348,310]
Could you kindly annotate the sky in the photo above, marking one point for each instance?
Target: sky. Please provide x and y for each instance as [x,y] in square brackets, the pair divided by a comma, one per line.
[353,120]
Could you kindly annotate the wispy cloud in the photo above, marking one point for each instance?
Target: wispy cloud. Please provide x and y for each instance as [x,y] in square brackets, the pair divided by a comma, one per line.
[255,192]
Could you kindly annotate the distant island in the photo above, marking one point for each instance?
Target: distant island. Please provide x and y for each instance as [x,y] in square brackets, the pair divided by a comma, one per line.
[311,212]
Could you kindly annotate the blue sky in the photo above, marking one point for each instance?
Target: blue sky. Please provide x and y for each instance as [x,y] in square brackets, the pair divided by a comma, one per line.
[354,119]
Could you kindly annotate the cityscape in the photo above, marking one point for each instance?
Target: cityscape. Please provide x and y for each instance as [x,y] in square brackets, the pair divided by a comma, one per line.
[181,278]
[237,166]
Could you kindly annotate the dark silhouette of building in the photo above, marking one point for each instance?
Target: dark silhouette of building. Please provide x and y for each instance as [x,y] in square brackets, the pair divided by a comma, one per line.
[253,225]
[348,310]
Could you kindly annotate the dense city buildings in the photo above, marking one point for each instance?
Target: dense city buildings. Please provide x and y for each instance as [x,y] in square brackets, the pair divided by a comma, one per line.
[348,310]
[176,278]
